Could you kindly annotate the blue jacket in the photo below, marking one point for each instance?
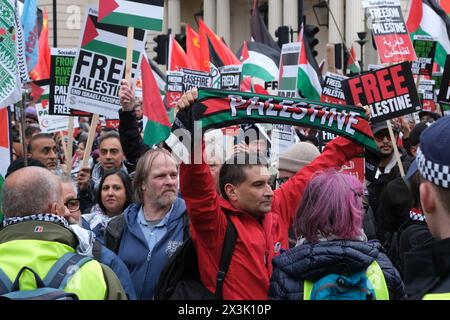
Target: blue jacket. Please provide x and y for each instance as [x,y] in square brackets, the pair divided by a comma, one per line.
[314,261]
[110,259]
[144,265]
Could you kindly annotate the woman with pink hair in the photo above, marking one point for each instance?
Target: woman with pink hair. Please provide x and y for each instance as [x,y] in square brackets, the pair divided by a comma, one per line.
[331,241]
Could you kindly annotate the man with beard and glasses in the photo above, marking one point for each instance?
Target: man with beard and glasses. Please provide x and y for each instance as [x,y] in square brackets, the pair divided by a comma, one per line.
[150,230]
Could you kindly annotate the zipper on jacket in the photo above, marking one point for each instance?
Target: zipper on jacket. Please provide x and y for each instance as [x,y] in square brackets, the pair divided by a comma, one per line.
[149,256]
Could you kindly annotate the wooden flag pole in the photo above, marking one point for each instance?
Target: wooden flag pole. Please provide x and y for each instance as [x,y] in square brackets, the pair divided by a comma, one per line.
[394,144]
[63,143]
[69,147]
[90,140]
[129,62]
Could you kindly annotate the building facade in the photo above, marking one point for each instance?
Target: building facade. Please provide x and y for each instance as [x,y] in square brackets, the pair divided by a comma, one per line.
[231,20]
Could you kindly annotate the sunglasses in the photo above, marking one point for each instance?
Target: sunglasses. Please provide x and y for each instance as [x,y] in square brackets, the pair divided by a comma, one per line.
[379,136]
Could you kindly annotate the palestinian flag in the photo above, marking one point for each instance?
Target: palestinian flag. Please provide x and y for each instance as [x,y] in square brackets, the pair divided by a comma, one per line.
[156,122]
[10,81]
[141,14]
[159,76]
[5,150]
[309,78]
[259,61]
[426,17]
[352,63]
[110,40]
[289,67]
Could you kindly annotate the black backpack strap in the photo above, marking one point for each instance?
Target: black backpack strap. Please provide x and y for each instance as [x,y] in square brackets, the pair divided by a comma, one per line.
[16,284]
[60,272]
[227,252]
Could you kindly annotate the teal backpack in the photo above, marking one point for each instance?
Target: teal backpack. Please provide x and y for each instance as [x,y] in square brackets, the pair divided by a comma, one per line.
[363,285]
[51,288]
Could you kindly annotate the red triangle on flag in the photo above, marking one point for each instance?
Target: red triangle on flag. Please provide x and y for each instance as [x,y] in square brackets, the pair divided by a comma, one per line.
[90,32]
[36,92]
[105,7]
[244,53]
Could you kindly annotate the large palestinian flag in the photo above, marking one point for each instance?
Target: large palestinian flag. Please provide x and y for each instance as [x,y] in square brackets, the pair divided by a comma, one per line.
[426,17]
[259,61]
[142,14]
[110,40]
[309,78]
[5,153]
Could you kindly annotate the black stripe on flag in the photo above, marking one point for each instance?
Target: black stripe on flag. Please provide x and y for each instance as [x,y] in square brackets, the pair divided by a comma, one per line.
[290,59]
[159,3]
[122,30]
[263,49]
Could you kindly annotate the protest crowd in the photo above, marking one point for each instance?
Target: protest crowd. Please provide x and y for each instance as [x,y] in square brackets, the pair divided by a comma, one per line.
[114,187]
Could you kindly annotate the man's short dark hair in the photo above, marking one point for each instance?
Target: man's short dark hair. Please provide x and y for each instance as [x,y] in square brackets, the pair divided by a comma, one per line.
[30,130]
[37,137]
[108,135]
[233,170]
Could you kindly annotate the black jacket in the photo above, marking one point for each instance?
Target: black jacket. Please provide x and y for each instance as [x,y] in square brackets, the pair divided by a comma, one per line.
[427,269]
[130,137]
[393,209]
[314,261]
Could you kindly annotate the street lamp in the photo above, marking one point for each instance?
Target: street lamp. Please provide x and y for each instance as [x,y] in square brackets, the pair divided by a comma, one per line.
[321,13]
[362,41]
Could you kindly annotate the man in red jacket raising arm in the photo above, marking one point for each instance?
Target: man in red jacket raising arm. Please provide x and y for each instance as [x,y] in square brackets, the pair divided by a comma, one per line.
[261,216]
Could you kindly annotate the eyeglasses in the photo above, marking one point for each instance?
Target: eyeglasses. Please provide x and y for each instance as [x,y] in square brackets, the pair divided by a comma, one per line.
[73,204]
[379,136]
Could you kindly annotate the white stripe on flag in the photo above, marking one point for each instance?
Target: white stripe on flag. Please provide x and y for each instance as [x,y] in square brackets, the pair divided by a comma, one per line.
[435,27]
[309,70]
[290,71]
[263,61]
[4,160]
[118,40]
[140,9]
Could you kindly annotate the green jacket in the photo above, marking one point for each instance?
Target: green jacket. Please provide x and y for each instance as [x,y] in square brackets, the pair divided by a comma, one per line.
[38,245]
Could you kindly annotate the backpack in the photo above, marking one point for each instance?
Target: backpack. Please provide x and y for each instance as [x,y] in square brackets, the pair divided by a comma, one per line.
[51,287]
[180,278]
[410,235]
[368,284]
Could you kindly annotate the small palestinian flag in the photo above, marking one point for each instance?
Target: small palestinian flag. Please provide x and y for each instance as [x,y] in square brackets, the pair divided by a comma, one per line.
[352,63]
[309,83]
[141,14]
[156,122]
[289,67]
[426,17]
[259,61]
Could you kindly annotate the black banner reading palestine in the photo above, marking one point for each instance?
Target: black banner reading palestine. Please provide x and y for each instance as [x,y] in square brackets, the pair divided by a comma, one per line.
[217,109]
[444,92]
[390,92]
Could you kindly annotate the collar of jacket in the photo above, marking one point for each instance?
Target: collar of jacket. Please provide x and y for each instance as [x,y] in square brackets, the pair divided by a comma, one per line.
[98,171]
[38,230]
[425,263]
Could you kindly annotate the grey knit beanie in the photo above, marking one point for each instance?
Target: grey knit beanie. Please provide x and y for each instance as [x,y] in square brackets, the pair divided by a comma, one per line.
[297,156]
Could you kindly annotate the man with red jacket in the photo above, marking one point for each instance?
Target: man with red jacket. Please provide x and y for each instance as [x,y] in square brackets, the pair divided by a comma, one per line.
[261,216]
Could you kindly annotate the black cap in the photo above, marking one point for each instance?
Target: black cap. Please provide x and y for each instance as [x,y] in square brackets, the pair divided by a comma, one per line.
[414,137]
[432,114]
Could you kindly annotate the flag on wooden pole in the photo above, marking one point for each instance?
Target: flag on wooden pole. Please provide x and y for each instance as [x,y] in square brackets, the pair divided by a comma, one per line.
[141,14]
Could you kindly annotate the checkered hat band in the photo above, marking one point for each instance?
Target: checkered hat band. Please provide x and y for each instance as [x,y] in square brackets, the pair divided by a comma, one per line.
[434,172]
